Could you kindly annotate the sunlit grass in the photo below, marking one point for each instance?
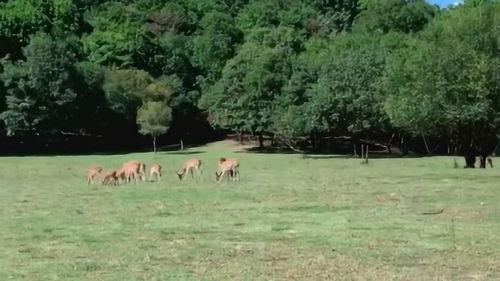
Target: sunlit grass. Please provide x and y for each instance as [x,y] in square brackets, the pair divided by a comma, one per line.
[287,219]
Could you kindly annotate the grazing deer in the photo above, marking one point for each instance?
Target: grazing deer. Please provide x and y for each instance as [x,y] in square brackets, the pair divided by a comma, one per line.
[132,170]
[229,167]
[92,172]
[121,175]
[155,170]
[110,177]
[188,167]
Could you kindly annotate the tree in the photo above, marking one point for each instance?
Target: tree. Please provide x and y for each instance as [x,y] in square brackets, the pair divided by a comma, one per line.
[339,14]
[125,90]
[216,44]
[345,97]
[42,92]
[117,35]
[396,15]
[153,118]
[448,83]
[243,99]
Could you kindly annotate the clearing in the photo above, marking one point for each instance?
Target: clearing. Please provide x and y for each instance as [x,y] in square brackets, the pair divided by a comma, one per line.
[323,218]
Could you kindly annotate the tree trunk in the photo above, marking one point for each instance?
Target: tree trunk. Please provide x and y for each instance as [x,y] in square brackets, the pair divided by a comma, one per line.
[154,144]
[240,137]
[357,146]
[403,147]
[366,151]
[389,144]
[182,144]
[261,140]
[313,141]
[426,145]
[470,159]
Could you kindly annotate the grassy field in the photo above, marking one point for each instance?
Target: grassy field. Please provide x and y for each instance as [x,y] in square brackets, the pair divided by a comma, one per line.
[325,218]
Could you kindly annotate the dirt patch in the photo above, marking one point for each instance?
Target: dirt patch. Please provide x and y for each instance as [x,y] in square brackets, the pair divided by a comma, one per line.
[282,262]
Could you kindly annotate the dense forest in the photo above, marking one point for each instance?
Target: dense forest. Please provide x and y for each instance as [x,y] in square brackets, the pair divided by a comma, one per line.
[98,74]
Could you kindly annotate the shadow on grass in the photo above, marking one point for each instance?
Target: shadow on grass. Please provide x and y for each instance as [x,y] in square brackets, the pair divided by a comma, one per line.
[182,152]
[168,149]
[328,155]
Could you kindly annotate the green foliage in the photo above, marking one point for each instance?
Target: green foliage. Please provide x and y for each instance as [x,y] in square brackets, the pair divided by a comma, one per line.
[166,54]
[153,118]
[243,98]
[448,82]
[41,91]
[346,96]
[117,35]
[290,68]
[259,13]
[396,15]
[338,14]
[21,18]
[126,89]
[217,42]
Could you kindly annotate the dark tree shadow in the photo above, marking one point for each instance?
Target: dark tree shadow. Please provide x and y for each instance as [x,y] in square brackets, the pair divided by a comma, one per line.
[307,154]
[182,152]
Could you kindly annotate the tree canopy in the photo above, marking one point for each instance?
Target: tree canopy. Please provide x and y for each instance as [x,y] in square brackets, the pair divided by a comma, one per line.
[302,72]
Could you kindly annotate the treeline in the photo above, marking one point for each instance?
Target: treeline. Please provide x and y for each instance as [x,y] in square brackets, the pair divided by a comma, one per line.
[300,71]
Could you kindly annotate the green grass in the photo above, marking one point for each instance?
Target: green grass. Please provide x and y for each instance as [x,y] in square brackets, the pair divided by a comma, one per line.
[287,219]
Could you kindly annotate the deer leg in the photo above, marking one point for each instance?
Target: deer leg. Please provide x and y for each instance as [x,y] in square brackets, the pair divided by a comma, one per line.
[221,177]
[198,170]
[236,175]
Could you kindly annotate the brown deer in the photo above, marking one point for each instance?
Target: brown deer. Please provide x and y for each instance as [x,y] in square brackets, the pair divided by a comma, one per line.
[188,167]
[483,162]
[229,167]
[92,172]
[121,175]
[132,170]
[110,177]
[155,170]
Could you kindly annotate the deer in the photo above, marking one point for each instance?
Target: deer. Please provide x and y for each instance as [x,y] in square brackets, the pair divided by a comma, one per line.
[188,167]
[155,170]
[131,170]
[229,167]
[487,161]
[92,172]
[110,177]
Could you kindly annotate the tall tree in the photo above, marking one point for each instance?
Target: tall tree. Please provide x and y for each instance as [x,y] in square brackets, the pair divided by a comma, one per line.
[243,99]
[153,118]
[448,83]
[396,15]
[41,91]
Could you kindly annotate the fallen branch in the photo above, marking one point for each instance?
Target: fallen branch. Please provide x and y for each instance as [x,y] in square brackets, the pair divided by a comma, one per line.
[434,213]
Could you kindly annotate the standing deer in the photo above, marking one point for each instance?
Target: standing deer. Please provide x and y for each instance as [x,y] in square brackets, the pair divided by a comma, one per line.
[188,167]
[155,170]
[229,167]
[92,172]
[132,170]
